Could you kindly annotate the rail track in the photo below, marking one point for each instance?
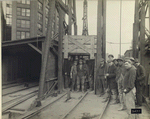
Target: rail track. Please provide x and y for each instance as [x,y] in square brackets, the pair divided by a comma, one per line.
[68,108]
[15,99]
[8,91]
[82,108]
[10,86]
[32,113]
[18,101]
[10,101]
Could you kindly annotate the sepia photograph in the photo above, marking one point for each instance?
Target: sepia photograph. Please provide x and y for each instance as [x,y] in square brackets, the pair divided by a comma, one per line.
[75,59]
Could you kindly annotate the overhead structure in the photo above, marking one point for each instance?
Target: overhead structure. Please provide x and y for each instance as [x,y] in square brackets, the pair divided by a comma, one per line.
[50,41]
[85,19]
[141,33]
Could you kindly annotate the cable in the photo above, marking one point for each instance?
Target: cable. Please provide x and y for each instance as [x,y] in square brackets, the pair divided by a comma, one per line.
[118,43]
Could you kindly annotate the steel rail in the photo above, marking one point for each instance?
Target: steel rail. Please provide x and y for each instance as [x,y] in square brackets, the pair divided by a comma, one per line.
[18,90]
[18,98]
[34,112]
[11,86]
[104,108]
[18,102]
[74,106]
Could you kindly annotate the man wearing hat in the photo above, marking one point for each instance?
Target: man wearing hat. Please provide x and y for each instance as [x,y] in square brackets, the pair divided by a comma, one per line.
[102,70]
[111,57]
[139,82]
[119,78]
[115,62]
[112,84]
[129,88]
[132,62]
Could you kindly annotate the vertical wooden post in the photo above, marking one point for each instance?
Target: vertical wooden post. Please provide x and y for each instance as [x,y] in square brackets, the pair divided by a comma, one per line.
[149,13]
[99,39]
[74,11]
[60,82]
[70,17]
[104,30]
[142,34]
[135,29]
[46,50]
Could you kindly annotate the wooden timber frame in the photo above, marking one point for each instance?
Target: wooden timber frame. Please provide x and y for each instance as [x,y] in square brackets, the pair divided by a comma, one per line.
[101,39]
[141,35]
[48,43]
[78,44]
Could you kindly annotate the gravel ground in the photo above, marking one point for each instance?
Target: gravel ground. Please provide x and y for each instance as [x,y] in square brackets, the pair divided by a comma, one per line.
[113,113]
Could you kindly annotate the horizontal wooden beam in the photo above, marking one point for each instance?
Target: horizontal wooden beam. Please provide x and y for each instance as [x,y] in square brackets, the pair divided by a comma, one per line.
[22,41]
[51,79]
[35,48]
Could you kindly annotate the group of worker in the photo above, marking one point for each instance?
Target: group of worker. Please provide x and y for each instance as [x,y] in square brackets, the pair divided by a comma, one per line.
[79,74]
[123,80]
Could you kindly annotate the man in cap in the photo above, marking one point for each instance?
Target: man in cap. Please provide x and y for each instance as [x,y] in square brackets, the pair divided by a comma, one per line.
[119,78]
[102,70]
[110,57]
[139,82]
[115,62]
[112,84]
[129,88]
[68,65]
[132,62]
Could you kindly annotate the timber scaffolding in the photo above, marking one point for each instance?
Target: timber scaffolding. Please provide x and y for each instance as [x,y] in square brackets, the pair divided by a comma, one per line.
[69,8]
[141,37]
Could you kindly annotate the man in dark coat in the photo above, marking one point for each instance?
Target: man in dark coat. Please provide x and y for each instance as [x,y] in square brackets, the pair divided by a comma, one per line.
[68,65]
[102,70]
[129,88]
[112,84]
[139,82]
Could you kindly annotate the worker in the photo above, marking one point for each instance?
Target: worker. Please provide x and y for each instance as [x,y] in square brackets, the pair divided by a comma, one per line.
[86,68]
[129,88]
[132,62]
[119,79]
[81,76]
[73,75]
[115,62]
[111,57]
[139,82]
[68,65]
[102,70]
[111,75]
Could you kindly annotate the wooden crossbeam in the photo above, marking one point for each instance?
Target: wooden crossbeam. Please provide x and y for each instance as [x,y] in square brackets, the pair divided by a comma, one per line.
[79,44]
[35,48]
